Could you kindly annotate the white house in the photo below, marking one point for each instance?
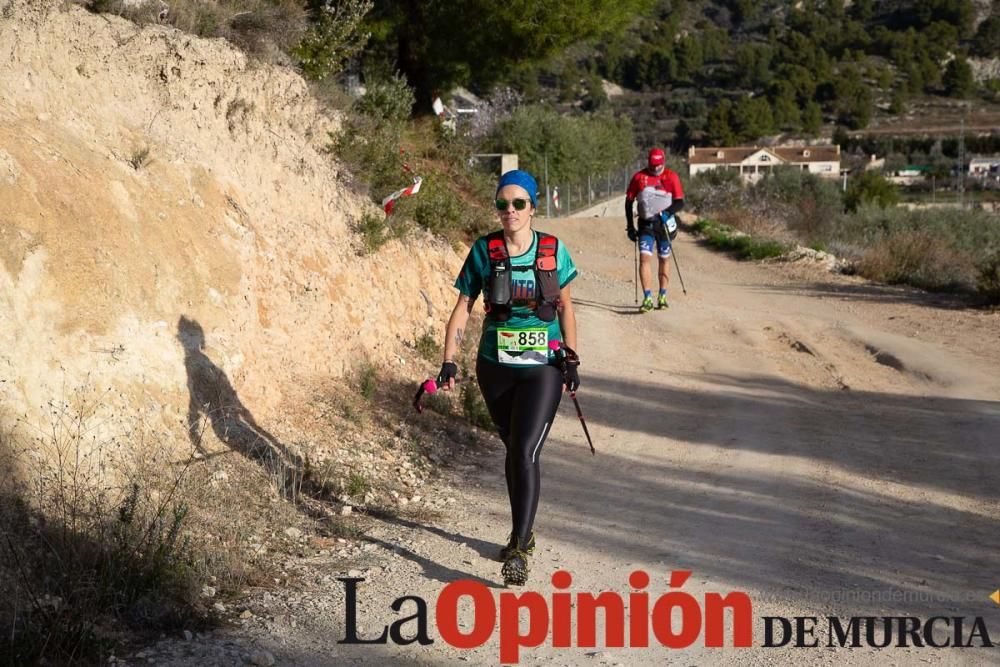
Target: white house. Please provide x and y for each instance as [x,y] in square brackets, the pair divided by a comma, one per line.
[985,167]
[753,162]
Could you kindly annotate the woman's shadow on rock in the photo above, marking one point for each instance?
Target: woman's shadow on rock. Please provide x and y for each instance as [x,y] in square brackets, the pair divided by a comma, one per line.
[213,399]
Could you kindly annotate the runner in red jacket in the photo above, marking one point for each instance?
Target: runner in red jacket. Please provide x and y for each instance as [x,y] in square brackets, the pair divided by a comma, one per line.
[659,194]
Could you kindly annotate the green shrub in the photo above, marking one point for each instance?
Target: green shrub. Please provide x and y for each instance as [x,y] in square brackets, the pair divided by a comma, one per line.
[448,201]
[701,226]
[333,38]
[740,244]
[365,380]
[439,208]
[870,187]
[387,99]
[439,403]
[370,139]
[765,249]
[356,485]
[370,150]
[427,347]
[376,230]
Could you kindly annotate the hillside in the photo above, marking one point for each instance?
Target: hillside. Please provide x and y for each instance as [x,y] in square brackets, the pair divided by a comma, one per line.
[730,71]
[158,188]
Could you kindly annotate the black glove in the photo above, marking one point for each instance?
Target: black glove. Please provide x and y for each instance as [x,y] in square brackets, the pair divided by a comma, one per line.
[448,371]
[572,378]
[632,234]
[568,363]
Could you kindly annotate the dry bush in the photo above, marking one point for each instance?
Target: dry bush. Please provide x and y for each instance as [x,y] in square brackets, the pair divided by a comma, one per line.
[331,94]
[714,190]
[94,536]
[918,258]
[267,29]
[197,17]
[757,221]
[108,530]
[988,280]
[934,249]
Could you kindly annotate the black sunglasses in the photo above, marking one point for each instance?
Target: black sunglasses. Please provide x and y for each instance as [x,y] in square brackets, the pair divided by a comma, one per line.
[519,204]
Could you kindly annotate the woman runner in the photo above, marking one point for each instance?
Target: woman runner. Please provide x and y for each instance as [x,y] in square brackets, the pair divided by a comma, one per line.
[524,277]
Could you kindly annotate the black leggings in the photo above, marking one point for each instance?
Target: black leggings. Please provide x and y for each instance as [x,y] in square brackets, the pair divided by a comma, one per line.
[522,403]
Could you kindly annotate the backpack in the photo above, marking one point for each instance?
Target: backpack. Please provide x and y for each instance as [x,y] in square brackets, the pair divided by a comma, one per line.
[650,199]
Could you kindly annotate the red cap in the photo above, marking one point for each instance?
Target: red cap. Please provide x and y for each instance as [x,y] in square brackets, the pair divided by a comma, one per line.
[656,157]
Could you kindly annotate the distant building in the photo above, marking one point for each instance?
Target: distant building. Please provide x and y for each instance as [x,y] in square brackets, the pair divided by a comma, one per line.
[987,168]
[910,174]
[875,164]
[507,161]
[753,162]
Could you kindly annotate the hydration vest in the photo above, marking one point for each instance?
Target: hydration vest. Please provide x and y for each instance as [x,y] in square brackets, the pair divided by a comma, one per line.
[498,300]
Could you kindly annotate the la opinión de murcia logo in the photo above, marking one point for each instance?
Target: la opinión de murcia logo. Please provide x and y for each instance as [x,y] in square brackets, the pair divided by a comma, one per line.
[876,632]
[557,617]
[637,619]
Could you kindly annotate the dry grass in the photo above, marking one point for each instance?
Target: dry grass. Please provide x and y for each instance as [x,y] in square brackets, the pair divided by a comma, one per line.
[917,258]
[94,531]
[110,532]
[140,157]
[763,224]
[267,29]
[939,250]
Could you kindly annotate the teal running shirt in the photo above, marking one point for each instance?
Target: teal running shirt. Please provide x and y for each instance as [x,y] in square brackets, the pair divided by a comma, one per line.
[523,339]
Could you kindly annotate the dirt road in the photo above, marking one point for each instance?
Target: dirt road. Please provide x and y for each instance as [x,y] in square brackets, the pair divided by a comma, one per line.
[830,447]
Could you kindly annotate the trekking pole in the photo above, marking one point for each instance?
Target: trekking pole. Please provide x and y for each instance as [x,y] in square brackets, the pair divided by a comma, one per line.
[430,386]
[560,352]
[583,423]
[635,281]
[673,253]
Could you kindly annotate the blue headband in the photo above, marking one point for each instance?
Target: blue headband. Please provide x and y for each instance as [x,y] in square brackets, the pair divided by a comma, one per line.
[523,180]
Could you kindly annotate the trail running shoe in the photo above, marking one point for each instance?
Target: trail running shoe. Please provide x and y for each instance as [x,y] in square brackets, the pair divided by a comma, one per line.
[662,302]
[529,548]
[515,568]
[647,305]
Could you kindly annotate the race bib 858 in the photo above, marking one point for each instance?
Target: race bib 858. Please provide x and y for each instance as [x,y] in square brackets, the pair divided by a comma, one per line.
[523,346]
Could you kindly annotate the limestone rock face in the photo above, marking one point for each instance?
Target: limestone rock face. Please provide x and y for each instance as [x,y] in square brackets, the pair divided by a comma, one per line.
[165,201]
